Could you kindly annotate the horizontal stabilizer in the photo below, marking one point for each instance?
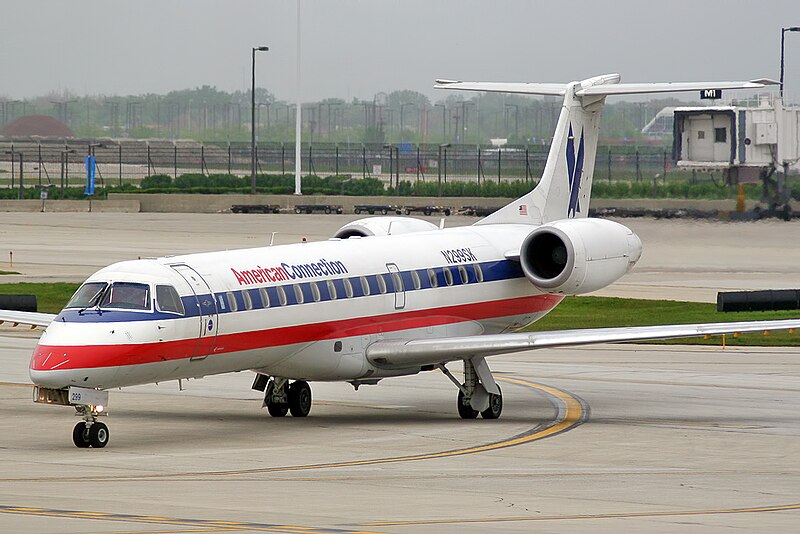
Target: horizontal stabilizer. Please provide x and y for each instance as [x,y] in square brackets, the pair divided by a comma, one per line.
[670,87]
[598,87]
[551,89]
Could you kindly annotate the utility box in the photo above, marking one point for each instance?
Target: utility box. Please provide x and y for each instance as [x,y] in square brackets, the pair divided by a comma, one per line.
[738,139]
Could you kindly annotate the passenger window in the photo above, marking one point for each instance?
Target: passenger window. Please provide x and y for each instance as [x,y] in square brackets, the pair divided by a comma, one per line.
[415,280]
[248,300]
[282,296]
[232,301]
[127,296]
[331,289]
[478,272]
[448,276]
[348,288]
[264,296]
[364,286]
[381,284]
[432,278]
[298,293]
[167,300]
[462,273]
[315,292]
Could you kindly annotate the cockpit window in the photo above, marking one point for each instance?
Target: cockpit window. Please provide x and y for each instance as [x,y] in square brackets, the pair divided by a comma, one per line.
[127,296]
[168,300]
[86,296]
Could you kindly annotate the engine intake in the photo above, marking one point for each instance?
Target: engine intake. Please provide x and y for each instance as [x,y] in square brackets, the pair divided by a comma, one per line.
[577,256]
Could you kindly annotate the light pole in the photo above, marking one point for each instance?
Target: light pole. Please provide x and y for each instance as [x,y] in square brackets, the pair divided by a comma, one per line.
[253,121]
[516,120]
[783,36]
[439,165]
[402,108]
[444,121]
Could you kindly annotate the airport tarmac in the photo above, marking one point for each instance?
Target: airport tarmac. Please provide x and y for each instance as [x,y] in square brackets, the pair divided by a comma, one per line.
[602,438]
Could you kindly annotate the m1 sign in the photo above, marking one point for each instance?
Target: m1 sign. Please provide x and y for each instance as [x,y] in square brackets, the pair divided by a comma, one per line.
[710,94]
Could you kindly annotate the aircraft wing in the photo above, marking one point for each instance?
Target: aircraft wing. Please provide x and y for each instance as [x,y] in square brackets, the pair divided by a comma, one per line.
[400,353]
[29,318]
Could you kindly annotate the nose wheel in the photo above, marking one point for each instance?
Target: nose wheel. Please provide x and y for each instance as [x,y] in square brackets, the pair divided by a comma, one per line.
[89,432]
[96,435]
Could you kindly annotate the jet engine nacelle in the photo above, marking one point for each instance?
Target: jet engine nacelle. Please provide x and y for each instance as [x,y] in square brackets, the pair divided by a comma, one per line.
[577,256]
[370,226]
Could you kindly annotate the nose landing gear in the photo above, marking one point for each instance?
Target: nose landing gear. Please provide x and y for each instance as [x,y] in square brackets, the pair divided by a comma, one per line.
[89,404]
[89,432]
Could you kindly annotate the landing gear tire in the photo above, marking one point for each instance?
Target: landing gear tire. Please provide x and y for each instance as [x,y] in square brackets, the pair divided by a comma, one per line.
[495,407]
[98,435]
[277,410]
[299,398]
[80,436]
[465,411]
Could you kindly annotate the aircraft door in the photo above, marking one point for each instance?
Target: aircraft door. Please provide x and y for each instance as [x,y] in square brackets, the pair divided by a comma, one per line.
[701,139]
[399,289]
[206,309]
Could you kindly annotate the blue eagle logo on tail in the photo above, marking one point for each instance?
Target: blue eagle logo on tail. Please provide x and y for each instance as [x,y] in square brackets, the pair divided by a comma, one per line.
[574,172]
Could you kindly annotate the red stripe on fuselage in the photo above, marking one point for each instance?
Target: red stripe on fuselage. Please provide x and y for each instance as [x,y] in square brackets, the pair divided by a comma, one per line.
[47,357]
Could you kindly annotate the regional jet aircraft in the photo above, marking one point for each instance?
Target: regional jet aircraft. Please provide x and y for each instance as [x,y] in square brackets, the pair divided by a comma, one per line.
[385,297]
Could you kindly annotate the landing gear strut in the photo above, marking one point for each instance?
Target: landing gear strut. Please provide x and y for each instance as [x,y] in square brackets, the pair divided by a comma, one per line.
[281,398]
[479,393]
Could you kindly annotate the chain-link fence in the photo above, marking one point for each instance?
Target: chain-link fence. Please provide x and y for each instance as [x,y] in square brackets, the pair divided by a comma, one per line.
[61,164]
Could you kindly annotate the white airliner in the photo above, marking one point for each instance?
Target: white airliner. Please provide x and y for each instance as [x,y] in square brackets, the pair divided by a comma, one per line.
[385,297]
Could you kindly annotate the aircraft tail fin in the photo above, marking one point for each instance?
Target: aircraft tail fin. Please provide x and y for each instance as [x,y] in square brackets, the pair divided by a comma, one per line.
[565,188]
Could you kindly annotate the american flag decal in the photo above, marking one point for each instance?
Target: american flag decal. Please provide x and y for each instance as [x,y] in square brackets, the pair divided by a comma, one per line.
[523,209]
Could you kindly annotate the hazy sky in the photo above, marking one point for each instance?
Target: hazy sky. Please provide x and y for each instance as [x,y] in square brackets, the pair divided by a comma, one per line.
[355,48]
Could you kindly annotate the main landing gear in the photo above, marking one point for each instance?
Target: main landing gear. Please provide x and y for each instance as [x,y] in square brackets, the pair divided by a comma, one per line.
[479,393]
[281,398]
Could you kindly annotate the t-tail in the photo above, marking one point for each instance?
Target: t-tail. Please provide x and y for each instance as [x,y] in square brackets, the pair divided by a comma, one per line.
[565,188]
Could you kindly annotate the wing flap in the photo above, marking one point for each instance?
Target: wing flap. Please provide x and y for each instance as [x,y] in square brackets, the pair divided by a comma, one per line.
[29,318]
[400,353]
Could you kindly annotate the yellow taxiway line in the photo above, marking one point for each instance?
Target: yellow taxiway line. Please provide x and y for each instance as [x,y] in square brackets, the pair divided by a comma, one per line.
[622,515]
